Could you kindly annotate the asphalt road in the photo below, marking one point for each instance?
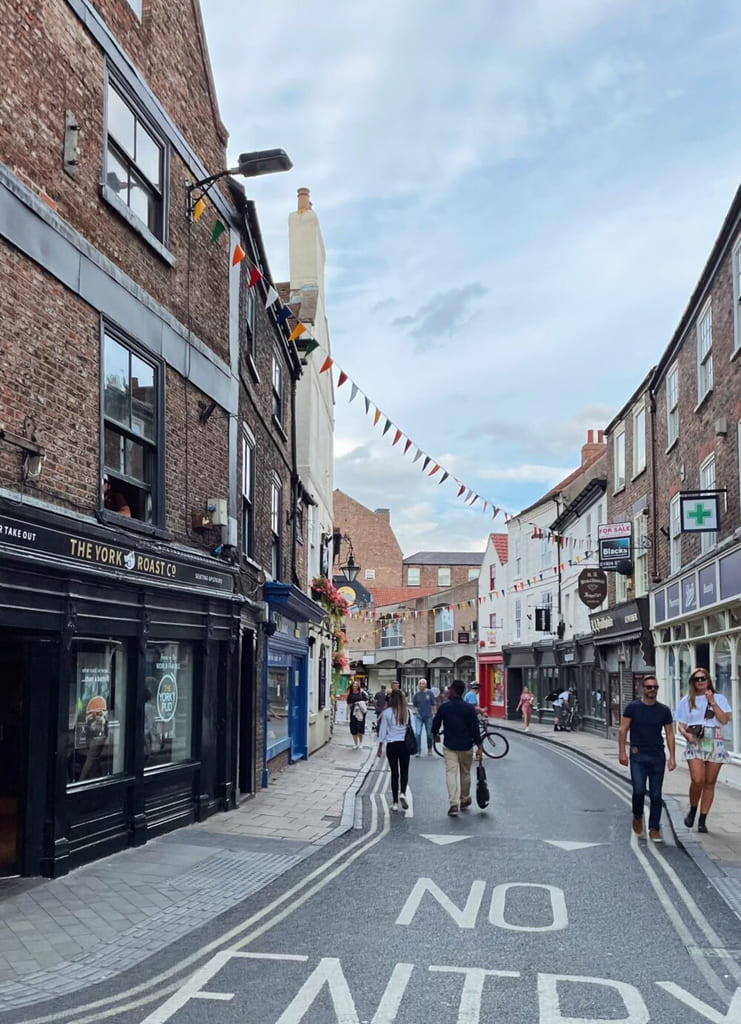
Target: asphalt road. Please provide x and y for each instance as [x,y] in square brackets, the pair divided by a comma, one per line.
[544,909]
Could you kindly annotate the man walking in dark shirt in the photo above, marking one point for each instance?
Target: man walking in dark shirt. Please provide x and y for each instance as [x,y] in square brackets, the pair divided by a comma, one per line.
[645,719]
[460,723]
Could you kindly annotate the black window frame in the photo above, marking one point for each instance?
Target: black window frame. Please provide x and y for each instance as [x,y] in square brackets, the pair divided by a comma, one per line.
[156,233]
[154,446]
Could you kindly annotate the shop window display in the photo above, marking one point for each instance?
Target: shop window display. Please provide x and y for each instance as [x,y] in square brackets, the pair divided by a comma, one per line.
[168,704]
[278,681]
[97,707]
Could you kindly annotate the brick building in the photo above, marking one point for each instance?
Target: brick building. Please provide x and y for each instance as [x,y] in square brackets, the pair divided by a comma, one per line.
[119,621]
[696,428]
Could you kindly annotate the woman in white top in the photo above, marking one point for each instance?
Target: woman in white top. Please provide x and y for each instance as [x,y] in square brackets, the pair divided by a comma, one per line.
[700,717]
[391,731]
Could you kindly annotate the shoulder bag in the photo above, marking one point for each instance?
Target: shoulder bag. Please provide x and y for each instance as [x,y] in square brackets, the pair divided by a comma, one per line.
[410,740]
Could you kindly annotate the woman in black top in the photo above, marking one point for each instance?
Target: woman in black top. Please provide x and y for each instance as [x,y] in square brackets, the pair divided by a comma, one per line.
[357,709]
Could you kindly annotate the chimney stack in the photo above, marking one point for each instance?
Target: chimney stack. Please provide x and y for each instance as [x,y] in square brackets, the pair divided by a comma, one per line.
[593,447]
[304,203]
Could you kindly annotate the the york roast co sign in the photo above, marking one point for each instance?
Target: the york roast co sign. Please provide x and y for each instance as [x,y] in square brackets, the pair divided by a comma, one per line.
[102,555]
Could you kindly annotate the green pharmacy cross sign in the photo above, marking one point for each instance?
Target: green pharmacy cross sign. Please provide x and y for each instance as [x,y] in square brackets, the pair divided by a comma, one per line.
[699,512]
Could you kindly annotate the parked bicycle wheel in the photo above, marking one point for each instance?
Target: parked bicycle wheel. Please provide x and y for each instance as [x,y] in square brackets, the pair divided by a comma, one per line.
[495,744]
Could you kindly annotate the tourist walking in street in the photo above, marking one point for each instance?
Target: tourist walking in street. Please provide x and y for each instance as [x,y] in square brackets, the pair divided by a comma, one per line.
[459,721]
[391,731]
[525,705]
[357,709]
[472,697]
[645,719]
[700,718]
[425,706]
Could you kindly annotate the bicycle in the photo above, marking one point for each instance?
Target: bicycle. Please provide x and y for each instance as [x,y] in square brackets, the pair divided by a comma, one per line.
[571,720]
[494,743]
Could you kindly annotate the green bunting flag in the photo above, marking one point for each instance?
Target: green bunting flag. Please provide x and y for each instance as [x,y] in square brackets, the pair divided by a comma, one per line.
[218,231]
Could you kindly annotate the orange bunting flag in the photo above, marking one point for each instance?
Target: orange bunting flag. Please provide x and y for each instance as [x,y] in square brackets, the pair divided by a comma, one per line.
[238,255]
[397,437]
[433,470]
[297,331]
[198,209]
[326,364]
[376,417]
[255,276]
[341,379]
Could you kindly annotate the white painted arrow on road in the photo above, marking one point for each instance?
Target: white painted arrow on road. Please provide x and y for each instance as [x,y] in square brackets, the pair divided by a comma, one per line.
[444,840]
[566,845]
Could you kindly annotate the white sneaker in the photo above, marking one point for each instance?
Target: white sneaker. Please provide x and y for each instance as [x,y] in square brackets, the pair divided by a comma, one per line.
[403,802]
[394,807]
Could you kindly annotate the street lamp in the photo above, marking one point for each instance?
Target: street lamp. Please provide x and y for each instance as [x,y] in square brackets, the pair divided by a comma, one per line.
[351,568]
[251,165]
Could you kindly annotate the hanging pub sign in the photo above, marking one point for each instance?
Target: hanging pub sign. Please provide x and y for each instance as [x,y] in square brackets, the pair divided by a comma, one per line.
[542,620]
[592,584]
[699,511]
[614,544]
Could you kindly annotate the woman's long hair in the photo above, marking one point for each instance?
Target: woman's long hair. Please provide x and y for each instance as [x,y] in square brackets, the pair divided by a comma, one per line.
[692,692]
[398,705]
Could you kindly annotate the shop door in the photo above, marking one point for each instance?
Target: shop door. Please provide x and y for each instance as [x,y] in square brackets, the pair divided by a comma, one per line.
[299,709]
[12,753]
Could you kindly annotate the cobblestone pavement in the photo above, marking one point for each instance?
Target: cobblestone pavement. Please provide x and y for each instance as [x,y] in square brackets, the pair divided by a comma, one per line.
[717,854]
[58,936]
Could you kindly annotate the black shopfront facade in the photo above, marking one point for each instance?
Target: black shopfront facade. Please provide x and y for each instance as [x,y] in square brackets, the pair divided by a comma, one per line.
[119,665]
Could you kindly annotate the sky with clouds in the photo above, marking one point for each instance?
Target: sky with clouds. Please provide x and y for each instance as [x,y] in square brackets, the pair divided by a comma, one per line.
[516,197]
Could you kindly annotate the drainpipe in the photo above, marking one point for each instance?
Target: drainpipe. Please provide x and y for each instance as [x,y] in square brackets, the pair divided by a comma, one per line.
[655,578]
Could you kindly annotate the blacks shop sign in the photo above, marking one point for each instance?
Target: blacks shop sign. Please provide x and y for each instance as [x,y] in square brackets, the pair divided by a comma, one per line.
[100,555]
[614,543]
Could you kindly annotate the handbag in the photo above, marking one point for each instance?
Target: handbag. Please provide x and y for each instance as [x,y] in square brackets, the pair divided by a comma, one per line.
[410,740]
[698,731]
[482,788]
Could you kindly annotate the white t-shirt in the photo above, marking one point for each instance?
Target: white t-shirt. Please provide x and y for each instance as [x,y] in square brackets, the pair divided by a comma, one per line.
[688,716]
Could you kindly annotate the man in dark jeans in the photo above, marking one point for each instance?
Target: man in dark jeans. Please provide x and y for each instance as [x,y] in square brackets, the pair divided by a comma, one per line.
[645,719]
[460,723]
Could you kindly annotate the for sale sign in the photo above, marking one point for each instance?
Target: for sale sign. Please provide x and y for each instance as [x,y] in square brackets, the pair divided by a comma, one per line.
[614,541]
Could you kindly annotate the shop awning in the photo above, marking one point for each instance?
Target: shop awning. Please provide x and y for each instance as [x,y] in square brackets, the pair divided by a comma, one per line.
[292,602]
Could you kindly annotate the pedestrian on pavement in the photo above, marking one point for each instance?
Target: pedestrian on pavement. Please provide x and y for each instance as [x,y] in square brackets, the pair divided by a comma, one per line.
[425,707]
[472,697]
[525,705]
[700,717]
[357,709]
[392,731]
[560,706]
[379,703]
[645,718]
[459,721]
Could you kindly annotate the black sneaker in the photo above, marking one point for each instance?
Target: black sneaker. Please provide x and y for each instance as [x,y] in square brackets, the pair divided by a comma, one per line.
[689,819]
[702,827]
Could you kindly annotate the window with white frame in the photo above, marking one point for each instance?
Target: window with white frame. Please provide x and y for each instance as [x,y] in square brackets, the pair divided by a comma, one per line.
[619,458]
[621,588]
[705,352]
[707,483]
[413,577]
[737,297]
[134,161]
[492,620]
[473,574]
[672,405]
[546,551]
[518,618]
[277,389]
[588,533]
[493,572]
[640,555]
[370,574]
[249,323]
[391,633]
[675,535]
[518,558]
[248,490]
[443,577]
[443,625]
[276,503]
[639,440]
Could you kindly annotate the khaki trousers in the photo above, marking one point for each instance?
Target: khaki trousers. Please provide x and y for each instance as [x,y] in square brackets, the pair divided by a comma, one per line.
[458,774]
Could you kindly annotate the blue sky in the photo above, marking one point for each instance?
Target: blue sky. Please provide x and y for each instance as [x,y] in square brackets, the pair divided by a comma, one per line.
[516,197]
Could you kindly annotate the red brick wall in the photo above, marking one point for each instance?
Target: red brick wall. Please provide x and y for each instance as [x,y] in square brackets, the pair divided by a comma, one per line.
[373,540]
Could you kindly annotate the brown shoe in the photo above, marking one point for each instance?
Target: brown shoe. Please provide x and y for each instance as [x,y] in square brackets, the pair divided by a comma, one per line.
[453,810]
[638,826]
[654,834]
[466,802]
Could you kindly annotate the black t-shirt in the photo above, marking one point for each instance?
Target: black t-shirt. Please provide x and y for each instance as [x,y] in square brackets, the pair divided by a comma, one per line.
[646,724]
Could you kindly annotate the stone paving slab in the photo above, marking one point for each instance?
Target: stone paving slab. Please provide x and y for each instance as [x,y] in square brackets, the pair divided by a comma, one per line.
[58,936]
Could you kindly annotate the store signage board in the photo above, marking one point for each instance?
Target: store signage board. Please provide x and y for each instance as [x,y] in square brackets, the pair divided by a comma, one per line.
[699,513]
[592,584]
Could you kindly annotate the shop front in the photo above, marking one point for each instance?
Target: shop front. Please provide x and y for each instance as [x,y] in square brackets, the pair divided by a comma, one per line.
[491,684]
[697,622]
[625,654]
[285,675]
[119,663]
